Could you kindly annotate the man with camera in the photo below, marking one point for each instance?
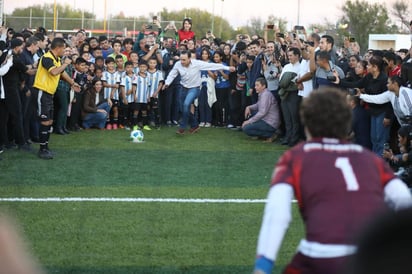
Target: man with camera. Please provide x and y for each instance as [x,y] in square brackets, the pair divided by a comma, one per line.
[324,72]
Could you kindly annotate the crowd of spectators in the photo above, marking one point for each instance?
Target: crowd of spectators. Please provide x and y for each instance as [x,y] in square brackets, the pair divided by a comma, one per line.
[122,79]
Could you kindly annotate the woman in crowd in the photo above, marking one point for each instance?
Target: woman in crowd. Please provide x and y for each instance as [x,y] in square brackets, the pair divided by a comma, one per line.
[208,86]
[186,33]
[95,108]
[381,114]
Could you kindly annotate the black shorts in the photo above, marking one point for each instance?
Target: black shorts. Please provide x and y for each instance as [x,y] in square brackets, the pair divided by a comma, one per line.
[140,107]
[154,102]
[115,103]
[45,106]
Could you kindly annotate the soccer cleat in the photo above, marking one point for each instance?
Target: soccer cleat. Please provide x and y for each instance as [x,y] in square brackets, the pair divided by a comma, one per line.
[194,129]
[180,131]
[114,126]
[45,154]
[108,126]
[121,126]
[146,127]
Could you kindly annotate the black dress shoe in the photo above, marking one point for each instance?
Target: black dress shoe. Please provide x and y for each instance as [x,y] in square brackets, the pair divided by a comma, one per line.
[59,131]
[65,130]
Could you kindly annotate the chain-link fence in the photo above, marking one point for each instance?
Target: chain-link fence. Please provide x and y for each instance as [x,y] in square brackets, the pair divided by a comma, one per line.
[110,27]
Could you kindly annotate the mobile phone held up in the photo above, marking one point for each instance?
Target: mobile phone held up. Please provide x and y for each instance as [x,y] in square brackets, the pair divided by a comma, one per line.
[299,28]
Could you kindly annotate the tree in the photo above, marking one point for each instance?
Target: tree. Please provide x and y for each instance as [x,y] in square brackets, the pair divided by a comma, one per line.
[363,19]
[400,11]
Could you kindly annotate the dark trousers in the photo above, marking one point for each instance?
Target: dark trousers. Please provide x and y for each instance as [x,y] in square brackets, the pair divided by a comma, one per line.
[11,108]
[61,102]
[221,106]
[75,114]
[290,110]
[169,103]
[235,106]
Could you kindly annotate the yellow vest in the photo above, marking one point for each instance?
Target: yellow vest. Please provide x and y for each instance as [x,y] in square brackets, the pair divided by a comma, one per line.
[44,80]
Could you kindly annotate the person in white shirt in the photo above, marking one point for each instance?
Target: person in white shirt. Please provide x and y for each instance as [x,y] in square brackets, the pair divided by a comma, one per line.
[399,96]
[291,100]
[190,79]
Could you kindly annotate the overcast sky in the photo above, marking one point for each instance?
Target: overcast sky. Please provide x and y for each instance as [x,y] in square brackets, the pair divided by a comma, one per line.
[237,12]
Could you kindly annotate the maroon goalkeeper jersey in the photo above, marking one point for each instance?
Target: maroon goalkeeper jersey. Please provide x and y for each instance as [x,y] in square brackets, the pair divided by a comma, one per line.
[339,186]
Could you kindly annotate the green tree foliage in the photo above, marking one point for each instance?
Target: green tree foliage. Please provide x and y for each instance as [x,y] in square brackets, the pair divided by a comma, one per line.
[400,10]
[364,18]
[73,19]
[42,15]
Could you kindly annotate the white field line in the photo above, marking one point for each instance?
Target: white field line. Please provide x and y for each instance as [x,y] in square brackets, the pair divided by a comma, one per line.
[134,200]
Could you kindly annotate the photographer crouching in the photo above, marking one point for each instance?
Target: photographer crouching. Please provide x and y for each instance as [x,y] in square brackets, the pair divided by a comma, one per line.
[402,162]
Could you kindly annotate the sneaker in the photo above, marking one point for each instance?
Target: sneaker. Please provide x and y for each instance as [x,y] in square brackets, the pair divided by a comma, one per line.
[202,124]
[45,154]
[25,147]
[169,123]
[271,139]
[193,130]
[152,124]
[174,122]
[208,125]
[230,126]
[135,127]
[121,126]
[180,131]
[1,150]
[127,128]
[109,126]
[146,127]
[114,126]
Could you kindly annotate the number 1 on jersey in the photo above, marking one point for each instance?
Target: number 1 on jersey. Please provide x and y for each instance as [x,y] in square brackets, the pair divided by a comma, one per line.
[344,165]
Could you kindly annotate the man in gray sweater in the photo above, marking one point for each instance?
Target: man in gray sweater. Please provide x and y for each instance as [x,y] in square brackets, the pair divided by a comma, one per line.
[262,118]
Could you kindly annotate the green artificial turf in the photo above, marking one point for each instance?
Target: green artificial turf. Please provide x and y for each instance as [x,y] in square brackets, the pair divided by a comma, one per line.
[120,237]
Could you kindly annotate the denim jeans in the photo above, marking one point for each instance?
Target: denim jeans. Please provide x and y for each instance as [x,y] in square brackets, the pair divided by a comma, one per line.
[97,118]
[259,129]
[205,111]
[379,133]
[187,97]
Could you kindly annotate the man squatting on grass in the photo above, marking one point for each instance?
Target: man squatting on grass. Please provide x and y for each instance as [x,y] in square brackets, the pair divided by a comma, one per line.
[339,187]
[189,70]
[47,78]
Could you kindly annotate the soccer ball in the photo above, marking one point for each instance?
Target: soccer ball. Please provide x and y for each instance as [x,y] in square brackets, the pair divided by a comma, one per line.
[137,136]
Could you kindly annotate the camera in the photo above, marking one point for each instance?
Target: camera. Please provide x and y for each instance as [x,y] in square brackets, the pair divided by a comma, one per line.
[352,91]
[386,146]
[331,78]
[280,35]
[310,43]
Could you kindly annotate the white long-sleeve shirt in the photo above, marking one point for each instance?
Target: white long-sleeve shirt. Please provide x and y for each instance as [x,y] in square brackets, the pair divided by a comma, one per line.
[3,70]
[190,76]
[402,105]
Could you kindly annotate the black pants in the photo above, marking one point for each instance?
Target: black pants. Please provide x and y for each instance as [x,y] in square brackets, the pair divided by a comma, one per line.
[11,108]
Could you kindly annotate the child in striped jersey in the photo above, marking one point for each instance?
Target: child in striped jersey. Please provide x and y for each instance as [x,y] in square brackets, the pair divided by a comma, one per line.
[156,82]
[122,109]
[141,96]
[111,82]
[128,90]
[134,58]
